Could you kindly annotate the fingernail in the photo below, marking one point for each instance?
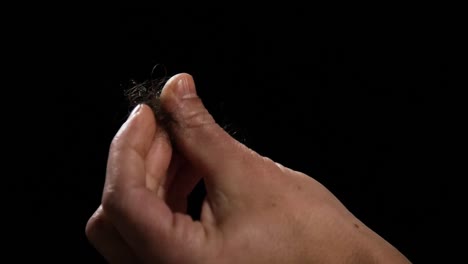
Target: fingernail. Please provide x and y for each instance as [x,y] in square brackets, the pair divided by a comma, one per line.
[135,110]
[186,88]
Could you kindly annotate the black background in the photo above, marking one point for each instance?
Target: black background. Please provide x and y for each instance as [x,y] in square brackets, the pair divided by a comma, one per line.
[354,102]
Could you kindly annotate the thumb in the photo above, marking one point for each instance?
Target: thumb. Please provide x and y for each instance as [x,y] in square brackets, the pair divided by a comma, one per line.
[209,149]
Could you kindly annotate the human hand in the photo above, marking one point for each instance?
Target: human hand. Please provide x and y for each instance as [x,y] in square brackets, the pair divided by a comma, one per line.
[255,211]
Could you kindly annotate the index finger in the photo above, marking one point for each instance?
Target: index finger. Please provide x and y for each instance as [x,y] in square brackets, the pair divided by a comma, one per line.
[130,146]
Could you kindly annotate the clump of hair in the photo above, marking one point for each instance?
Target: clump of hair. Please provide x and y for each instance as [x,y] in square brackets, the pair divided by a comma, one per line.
[148,92]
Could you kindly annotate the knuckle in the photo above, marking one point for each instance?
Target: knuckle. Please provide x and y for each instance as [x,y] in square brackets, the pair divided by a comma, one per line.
[110,201]
[91,228]
[192,113]
[197,118]
[115,144]
[117,202]
[95,224]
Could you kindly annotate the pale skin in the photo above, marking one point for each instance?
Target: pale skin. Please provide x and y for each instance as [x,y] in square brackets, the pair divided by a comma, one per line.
[256,210]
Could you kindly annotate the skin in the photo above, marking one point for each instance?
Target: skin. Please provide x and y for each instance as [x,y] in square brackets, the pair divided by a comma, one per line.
[256,210]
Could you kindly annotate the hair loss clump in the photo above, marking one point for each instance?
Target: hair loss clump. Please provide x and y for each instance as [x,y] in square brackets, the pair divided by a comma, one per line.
[148,92]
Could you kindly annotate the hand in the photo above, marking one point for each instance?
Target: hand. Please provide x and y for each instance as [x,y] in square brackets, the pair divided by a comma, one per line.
[255,211]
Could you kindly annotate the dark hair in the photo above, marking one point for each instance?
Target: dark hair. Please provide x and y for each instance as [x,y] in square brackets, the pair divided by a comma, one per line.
[148,92]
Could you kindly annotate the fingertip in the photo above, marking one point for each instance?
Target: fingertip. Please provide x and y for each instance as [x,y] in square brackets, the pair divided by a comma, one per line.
[138,131]
[143,114]
[180,86]
[136,114]
[146,111]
